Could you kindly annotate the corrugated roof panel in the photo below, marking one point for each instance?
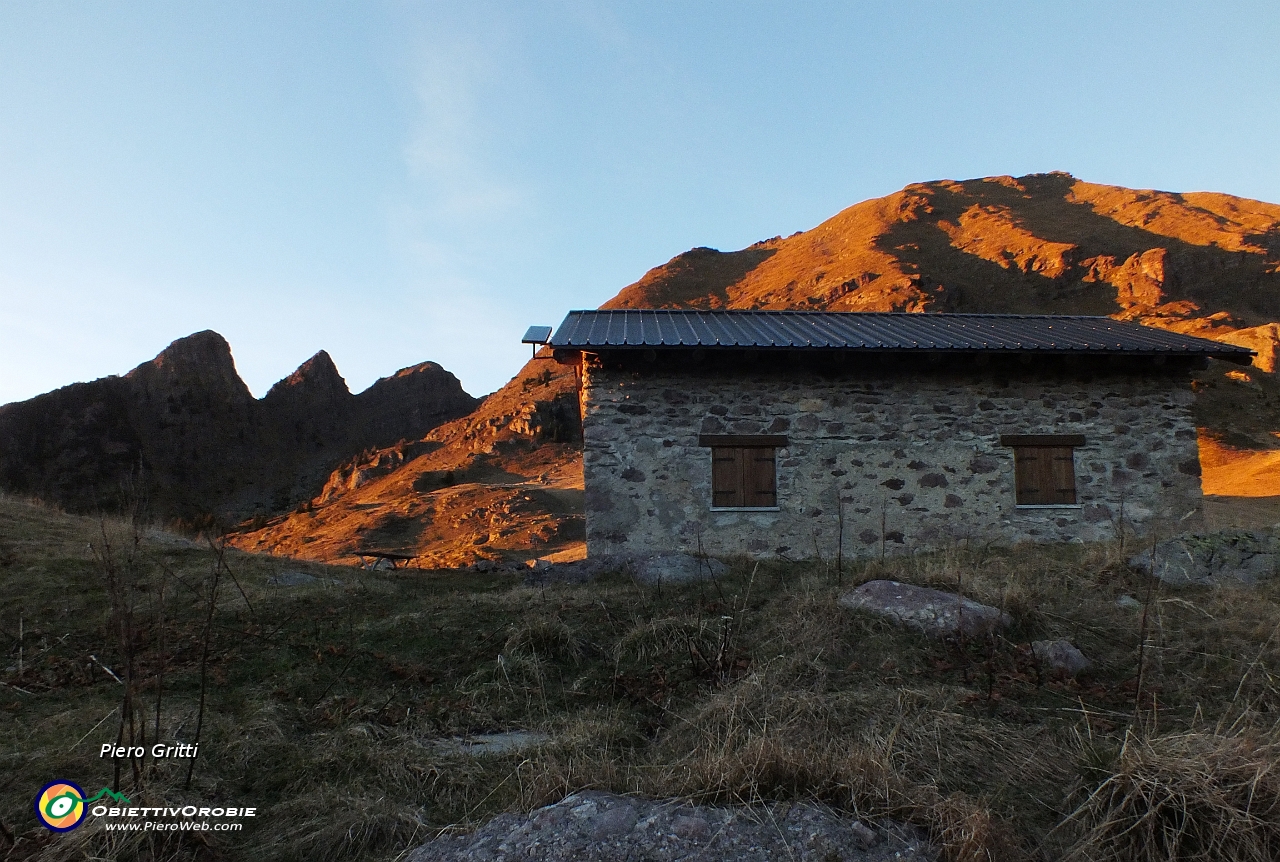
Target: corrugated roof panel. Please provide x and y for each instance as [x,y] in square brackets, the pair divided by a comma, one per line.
[653,328]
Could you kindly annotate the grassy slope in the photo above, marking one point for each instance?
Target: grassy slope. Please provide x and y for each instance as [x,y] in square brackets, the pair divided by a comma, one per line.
[325,699]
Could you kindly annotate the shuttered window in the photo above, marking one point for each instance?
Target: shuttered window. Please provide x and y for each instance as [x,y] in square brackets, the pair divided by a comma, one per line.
[1044,468]
[743,471]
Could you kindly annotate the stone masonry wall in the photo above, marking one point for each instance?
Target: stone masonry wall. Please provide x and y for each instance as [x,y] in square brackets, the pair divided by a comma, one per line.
[919,449]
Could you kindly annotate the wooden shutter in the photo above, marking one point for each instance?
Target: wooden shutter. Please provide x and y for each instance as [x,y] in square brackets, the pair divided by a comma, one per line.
[1062,473]
[1044,475]
[758,477]
[726,477]
[1029,478]
[743,476]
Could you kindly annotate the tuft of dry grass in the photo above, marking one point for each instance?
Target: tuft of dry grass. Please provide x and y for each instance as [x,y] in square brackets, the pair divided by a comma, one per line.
[333,826]
[547,637]
[1185,797]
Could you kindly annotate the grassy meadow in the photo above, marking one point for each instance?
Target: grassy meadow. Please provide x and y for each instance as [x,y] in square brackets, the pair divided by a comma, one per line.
[325,705]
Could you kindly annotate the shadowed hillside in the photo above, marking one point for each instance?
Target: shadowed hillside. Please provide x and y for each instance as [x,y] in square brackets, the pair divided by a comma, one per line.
[1202,263]
[186,431]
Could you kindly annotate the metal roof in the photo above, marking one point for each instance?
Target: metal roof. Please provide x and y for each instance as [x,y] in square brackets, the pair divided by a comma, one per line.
[875,331]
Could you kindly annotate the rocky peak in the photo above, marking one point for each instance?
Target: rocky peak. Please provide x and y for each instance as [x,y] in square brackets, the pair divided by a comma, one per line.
[422,395]
[420,368]
[316,381]
[423,377]
[200,364]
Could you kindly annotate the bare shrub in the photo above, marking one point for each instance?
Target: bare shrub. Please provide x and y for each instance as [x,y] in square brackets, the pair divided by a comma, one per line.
[707,644]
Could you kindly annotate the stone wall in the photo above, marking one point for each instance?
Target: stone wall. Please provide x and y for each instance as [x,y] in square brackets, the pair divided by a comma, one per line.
[913,454]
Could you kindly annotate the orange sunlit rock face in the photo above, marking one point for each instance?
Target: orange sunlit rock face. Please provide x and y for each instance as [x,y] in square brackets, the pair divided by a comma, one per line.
[503,484]
[1046,243]
[1233,472]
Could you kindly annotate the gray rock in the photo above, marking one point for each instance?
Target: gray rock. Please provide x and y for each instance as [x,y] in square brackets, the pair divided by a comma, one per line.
[932,612]
[1239,557]
[602,827]
[618,820]
[299,579]
[164,537]
[495,567]
[668,567]
[480,745]
[1129,603]
[542,572]
[1062,656]
[676,568]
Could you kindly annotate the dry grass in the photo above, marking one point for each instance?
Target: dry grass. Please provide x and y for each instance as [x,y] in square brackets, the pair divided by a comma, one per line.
[325,701]
[1185,797]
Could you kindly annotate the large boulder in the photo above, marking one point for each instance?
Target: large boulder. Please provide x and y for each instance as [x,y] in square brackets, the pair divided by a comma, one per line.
[1227,557]
[931,612]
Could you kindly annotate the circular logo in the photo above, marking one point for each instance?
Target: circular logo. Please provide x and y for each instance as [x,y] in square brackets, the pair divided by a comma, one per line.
[60,805]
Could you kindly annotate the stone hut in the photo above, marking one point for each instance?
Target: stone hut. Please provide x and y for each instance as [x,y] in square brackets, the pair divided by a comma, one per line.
[782,433]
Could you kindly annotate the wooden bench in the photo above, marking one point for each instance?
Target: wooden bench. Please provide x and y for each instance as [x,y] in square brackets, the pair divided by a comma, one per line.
[371,559]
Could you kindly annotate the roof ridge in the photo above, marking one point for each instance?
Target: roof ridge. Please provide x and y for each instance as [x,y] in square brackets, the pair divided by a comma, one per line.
[878,330]
[814,313]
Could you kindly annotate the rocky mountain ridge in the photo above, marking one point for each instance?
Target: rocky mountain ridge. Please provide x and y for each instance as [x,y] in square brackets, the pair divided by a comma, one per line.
[1039,244]
[1201,263]
[197,443]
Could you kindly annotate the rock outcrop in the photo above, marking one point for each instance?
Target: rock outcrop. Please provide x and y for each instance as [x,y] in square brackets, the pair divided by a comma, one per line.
[592,826]
[1262,340]
[1237,557]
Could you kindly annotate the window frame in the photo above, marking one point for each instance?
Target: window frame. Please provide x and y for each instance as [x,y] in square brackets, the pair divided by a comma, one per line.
[1069,442]
[743,443]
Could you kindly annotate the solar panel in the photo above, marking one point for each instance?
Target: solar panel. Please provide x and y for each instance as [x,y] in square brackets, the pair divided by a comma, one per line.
[537,335]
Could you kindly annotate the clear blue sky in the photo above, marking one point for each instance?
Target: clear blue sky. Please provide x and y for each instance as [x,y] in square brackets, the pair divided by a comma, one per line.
[409,181]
